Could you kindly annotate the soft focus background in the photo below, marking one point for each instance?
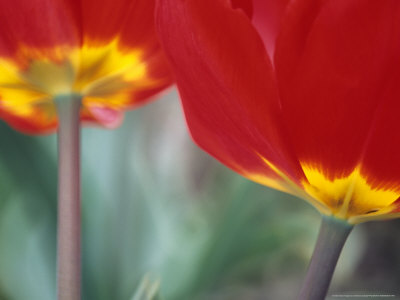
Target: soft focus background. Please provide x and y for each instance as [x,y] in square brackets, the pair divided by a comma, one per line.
[157,210]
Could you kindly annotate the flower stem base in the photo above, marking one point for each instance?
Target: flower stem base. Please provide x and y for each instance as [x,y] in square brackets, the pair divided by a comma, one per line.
[332,236]
[69,210]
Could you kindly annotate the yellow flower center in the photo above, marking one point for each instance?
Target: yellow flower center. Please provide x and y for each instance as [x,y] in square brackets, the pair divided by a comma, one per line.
[348,197]
[104,74]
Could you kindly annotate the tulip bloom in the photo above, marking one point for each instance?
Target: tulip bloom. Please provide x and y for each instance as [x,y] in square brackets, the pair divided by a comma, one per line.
[105,52]
[301,96]
[67,61]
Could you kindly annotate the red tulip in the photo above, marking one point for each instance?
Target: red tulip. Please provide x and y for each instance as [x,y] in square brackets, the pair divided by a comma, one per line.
[67,61]
[104,51]
[302,96]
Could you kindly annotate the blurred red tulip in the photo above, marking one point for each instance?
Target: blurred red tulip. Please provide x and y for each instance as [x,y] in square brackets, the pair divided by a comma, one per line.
[302,95]
[106,51]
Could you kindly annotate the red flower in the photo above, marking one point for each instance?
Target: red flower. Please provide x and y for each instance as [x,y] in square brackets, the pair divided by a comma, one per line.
[302,97]
[106,51]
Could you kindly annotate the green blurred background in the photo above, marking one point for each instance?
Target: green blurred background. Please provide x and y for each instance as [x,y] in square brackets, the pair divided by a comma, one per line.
[157,207]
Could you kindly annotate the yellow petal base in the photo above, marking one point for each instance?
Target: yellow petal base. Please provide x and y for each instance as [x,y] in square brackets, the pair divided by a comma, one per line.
[349,197]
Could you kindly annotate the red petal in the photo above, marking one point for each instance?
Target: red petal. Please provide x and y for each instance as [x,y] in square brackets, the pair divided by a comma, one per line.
[267,19]
[245,5]
[109,118]
[381,160]
[226,84]
[32,125]
[333,59]
[130,20]
[41,24]
[266,16]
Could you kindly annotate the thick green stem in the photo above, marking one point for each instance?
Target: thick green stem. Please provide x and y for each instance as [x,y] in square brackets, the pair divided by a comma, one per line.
[332,236]
[69,210]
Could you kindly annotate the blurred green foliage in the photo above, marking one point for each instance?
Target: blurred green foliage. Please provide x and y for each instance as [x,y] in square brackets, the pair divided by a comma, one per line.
[153,203]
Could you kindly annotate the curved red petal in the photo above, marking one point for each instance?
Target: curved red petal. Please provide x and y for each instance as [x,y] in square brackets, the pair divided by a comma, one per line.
[333,59]
[226,84]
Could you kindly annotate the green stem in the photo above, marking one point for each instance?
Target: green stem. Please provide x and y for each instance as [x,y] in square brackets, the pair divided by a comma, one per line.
[69,211]
[332,236]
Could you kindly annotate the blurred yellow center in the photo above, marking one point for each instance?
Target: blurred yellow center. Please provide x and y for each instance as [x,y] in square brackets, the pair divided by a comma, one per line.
[104,74]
